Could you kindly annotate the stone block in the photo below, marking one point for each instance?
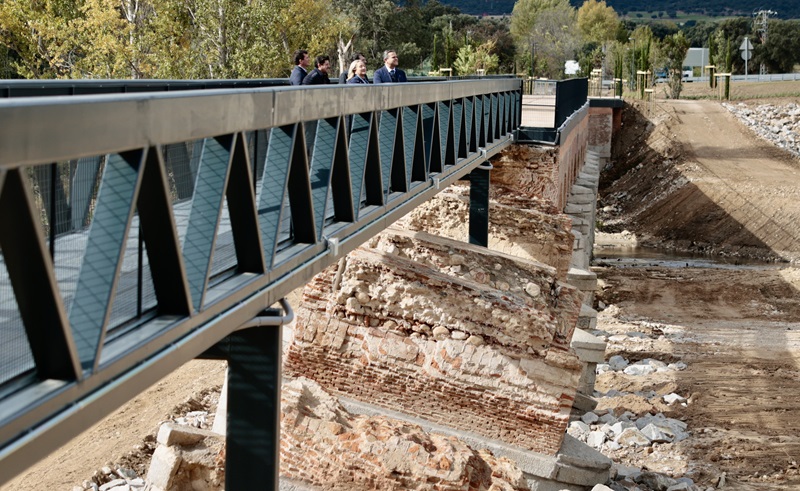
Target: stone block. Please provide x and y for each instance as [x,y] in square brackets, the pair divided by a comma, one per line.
[174,434]
[163,466]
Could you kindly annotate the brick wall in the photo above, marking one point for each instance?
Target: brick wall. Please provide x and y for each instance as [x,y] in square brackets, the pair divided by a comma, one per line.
[403,336]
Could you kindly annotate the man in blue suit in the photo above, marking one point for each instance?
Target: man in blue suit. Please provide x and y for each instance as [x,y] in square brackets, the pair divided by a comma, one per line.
[301,60]
[389,73]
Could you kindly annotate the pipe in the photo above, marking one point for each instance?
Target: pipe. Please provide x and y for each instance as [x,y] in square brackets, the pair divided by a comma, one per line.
[271,320]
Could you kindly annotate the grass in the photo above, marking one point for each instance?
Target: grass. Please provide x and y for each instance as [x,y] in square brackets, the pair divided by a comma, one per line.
[742,91]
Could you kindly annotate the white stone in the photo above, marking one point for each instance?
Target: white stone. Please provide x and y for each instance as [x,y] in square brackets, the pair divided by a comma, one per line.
[457,259]
[639,370]
[679,365]
[656,435]
[601,487]
[620,426]
[113,484]
[673,398]
[533,290]
[579,430]
[163,465]
[596,439]
[632,437]
[440,333]
[459,335]
[475,340]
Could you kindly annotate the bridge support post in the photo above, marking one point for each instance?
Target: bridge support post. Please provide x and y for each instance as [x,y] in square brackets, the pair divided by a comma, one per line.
[479,205]
[254,406]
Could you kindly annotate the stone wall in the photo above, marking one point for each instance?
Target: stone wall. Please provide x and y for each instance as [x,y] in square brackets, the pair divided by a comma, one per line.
[462,339]
[520,225]
[323,445]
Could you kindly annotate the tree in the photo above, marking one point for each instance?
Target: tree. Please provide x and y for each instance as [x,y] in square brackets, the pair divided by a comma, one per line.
[674,49]
[597,22]
[557,40]
[781,51]
[470,60]
[548,28]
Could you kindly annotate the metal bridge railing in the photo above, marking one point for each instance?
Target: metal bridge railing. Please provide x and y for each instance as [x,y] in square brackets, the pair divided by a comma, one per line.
[138,230]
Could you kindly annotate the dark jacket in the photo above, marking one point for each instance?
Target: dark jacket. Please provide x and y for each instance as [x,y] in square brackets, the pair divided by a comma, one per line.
[382,76]
[316,77]
[343,78]
[297,76]
[357,80]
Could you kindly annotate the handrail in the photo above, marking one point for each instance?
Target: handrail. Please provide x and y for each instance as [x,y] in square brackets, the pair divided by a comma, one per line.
[199,210]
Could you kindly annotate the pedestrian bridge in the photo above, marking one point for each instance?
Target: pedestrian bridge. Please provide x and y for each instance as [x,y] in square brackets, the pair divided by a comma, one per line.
[144,224]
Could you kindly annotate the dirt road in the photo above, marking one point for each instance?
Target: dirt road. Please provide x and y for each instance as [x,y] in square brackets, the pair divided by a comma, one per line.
[699,181]
[709,184]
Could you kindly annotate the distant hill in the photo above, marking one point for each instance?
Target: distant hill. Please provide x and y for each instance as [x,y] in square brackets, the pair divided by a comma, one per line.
[787,9]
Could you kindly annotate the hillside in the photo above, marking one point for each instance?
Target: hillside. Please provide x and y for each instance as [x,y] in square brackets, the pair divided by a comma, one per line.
[787,9]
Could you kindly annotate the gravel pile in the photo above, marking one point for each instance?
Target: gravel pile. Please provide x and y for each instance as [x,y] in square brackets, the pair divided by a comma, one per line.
[779,124]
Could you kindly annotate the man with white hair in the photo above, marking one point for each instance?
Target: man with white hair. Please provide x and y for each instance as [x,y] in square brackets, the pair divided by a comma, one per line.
[389,73]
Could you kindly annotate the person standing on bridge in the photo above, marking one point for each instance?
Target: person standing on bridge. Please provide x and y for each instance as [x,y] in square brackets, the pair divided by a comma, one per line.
[345,76]
[357,74]
[389,73]
[319,75]
[299,72]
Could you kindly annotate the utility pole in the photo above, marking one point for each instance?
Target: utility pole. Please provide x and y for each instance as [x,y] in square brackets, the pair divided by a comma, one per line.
[761,23]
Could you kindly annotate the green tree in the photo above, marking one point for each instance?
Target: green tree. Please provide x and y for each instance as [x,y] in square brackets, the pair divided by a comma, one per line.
[781,51]
[470,60]
[597,22]
[674,49]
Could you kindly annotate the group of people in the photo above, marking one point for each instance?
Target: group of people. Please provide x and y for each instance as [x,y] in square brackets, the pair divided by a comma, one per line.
[356,74]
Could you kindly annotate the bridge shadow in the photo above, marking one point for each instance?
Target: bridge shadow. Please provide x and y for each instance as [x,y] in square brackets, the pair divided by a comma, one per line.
[735,328]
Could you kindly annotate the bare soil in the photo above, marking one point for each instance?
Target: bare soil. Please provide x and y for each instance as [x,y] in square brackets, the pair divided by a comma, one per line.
[689,177]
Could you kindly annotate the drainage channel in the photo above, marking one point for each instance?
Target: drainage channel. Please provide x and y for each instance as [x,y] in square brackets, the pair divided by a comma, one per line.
[644,257]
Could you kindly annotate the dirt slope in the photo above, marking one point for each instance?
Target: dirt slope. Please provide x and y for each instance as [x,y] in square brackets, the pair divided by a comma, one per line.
[696,178]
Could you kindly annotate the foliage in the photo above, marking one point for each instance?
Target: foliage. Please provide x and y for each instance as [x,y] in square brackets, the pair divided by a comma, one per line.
[470,59]
[548,30]
[674,50]
[781,51]
[597,22]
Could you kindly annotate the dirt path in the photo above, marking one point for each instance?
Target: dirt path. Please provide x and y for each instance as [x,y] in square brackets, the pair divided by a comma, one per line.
[709,184]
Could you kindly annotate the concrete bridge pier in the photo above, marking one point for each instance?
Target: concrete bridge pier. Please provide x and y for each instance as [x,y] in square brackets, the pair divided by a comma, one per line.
[604,119]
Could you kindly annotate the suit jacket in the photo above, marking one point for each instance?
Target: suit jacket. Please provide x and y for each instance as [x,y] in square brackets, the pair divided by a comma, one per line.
[357,80]
[343,78]
[382,76]
[297,76]
[316,77]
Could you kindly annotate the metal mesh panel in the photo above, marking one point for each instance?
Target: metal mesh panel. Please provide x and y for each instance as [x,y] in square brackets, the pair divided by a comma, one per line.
[15,352]
[65,194]
[176,158]
[224,250]
[135,291]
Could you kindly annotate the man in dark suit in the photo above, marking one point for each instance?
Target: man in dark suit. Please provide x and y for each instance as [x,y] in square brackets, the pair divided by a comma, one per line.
[389,73]
[299,72]
[343,76]
[319,75]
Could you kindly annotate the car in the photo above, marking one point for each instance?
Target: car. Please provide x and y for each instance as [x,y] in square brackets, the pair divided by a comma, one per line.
[661,80]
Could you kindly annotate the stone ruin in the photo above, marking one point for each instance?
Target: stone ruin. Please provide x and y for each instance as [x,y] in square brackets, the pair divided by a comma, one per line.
[423,362]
